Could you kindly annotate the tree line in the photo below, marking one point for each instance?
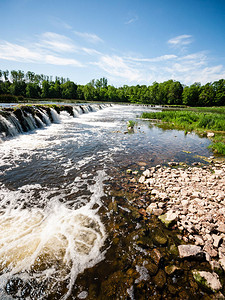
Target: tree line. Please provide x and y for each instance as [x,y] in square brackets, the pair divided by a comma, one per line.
[170,92]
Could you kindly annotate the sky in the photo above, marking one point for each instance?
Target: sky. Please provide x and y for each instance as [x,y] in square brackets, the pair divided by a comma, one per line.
[127,41]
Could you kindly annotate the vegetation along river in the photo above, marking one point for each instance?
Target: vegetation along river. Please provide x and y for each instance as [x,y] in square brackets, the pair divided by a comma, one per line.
[68,229]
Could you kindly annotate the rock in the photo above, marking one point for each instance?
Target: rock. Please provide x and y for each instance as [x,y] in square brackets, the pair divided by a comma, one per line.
[171,269]
[209,280]
[147,173]
[221,228]
[156,256]
[150,181]
[142,164]
[198,240]
[191,251]
[163,196]
[142,179]
[154,192]
[222,263]
[152,268]
[169,218]
[173,250]
[160,238]
[210,134]
[216,240]
[161,204]
[160,279]
[209,249]
[150,208]
[184,203]
[172,163]
[215,265]
[157,212]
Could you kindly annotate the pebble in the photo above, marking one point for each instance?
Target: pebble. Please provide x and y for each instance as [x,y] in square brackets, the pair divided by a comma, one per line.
[197,196]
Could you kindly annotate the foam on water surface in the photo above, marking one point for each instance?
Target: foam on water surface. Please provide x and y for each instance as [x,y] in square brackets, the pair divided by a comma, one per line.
[49,243]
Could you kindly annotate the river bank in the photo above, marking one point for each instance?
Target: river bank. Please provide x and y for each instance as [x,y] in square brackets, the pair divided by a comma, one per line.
[189,201]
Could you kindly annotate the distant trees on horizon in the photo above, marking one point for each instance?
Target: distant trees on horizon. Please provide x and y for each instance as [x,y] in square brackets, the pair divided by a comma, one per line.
[170,92]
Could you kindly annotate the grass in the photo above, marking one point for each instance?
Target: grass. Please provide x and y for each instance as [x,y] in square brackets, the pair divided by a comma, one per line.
[201,121]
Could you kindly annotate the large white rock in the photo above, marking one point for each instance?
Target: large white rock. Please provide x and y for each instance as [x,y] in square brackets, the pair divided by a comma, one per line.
[207,279]
[147,173]
[142,179]
[190,251]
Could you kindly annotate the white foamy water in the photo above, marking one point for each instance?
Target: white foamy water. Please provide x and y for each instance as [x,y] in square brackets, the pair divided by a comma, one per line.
[49,242]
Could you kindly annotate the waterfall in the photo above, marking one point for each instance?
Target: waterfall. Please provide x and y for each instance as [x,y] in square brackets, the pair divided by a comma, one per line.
[7,127]
[55,116]
[44,117]
[29,118]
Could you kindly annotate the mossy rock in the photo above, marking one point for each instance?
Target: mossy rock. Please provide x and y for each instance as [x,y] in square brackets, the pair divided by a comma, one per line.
[207,280]
[168,219]
[160,238]
[160,279]
[152,268]
[173,250]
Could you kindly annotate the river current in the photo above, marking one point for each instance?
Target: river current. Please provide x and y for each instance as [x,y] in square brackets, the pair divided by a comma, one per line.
[53,186]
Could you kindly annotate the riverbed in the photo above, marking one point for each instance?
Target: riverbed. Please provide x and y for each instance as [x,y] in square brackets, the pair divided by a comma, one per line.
[68,230]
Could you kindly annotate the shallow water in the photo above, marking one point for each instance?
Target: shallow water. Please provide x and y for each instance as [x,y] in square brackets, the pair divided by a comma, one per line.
[54,192]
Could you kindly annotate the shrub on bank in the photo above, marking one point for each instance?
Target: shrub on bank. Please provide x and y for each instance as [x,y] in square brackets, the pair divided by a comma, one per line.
[8,99]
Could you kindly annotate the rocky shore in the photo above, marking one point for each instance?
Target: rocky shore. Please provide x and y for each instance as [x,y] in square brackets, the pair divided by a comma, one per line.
[192,199]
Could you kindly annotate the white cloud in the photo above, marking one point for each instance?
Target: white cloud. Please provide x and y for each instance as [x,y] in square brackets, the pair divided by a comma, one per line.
[56,42]
[14,52]
[60,61]
[90,37]
[117,67]
[180,40]
[132,20]
[154,59]
[90,51]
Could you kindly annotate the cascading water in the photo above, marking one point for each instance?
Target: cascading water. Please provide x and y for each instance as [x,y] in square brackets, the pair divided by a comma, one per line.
[21,121]
[45,247]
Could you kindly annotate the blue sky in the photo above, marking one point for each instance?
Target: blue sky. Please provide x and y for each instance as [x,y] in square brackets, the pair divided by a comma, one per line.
[127,41]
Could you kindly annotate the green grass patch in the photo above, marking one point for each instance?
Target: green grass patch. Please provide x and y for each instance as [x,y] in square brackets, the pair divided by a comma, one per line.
[198,121]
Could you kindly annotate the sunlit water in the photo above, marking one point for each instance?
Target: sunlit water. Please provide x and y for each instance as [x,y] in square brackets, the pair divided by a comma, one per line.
[52,187]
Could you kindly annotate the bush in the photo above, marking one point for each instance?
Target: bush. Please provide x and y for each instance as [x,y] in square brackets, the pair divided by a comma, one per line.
[8,99]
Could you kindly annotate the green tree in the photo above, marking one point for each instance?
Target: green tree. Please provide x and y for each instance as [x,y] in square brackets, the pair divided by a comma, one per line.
[207,94]
[45,93]
[18,88]
[175,93]
[89,91]
[6,75]
[219,88]
[191,94]
[33,90]
[80,92]
[69,90]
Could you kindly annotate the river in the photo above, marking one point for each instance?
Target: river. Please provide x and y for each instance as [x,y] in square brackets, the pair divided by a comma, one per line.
[55,189]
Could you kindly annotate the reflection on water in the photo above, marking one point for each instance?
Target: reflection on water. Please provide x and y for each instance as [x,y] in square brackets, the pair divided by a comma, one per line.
[52,190]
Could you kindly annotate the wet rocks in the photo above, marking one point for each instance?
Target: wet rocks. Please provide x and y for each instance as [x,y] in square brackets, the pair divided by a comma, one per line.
[209,280]
[160,279]
[169,218]
[191,251]
[160,238]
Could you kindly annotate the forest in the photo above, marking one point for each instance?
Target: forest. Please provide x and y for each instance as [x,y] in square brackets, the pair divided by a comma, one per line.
[18,86]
